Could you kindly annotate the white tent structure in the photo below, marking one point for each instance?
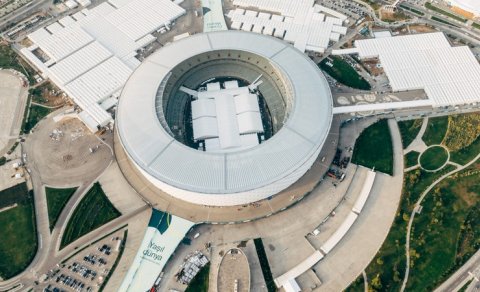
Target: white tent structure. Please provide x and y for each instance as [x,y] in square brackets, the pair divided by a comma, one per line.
[226,115]
[90,54]
[307,25]
[448,75]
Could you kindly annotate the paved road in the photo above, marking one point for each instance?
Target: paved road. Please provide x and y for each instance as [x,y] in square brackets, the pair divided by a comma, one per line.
[462,275]
[19,14]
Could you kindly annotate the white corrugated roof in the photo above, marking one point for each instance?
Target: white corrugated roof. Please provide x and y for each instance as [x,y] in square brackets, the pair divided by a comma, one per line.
[449,75]
[82,45]
[76,64]
[234,177]
[304,25]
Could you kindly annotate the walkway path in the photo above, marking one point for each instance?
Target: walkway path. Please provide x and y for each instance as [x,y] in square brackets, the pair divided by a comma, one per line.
[412,216]
[418,144]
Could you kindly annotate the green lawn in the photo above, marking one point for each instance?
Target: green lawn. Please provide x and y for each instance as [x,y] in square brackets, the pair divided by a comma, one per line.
[411,159]
[93,211]
[476,25]
[344,73]
[10,59]
[433,158]
[13,195]
[447,232]
[373,149]
[409,130]
[466,154]
[442,21]
[56,201]
[386,271]
[262,257]
[18,239]
[412,10]
[36,113]
[200,282]
[446,13]
[436,129]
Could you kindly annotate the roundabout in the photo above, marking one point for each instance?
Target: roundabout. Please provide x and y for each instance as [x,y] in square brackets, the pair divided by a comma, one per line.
[434,158]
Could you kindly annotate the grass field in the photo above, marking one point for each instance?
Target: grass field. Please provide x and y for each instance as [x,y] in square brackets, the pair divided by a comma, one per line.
[262,257]
[476,25]
[411,159]
[13,195]
[93,211]
[466,154]
[442,21]
[200,282]
[344,73]
[429,5]
[18,239]
[373,149]
[386,271]
[10,59]
[436,129]
[412,10]
[409,130]
[433,158]
[447,232]
[36,113]
[56,201]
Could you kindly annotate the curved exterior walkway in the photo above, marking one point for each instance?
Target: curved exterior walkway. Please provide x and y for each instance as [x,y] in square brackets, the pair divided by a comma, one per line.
[198,213]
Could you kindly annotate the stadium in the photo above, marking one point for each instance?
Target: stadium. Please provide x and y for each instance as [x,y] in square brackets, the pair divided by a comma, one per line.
[224,118]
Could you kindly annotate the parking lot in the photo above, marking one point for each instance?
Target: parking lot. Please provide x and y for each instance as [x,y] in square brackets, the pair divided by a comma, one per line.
[87,270]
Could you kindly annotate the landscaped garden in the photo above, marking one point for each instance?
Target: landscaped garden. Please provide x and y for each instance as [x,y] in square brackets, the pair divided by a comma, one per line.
[374,149]
[56,201]
[411,159]
[446,227]
[433,158]
[409,130]
[341,71]
[93,211]
[436,129]
[35,114]
[18,238]
[447,231]
[10,60]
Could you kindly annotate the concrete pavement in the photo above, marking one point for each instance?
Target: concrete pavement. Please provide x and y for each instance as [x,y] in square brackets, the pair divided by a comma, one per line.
[418,144]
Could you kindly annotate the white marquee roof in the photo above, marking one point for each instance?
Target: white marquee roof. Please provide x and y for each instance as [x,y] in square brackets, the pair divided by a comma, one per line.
[302,23]
[279,161]
[449,75]
[93,51]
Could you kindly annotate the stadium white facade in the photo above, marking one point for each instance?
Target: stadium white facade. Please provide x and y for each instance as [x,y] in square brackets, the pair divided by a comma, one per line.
[153,130]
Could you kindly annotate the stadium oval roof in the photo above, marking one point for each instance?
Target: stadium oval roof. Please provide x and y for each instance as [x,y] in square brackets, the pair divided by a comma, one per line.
[231,178]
